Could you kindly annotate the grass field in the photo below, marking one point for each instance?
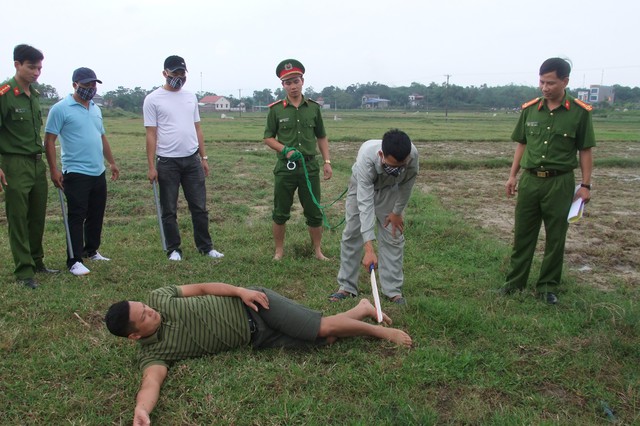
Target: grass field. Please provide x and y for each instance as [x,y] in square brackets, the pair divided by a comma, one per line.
[477,359]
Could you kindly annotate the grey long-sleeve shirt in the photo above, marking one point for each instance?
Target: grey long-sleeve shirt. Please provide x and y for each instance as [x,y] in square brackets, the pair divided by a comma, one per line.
[368,177]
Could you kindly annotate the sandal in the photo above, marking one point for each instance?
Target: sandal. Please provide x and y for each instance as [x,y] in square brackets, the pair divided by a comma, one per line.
[398,300]
[340,295]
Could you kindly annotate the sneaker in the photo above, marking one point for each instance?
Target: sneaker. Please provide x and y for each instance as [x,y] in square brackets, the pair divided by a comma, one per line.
[78,269]
[551,298]
[98,256]
[175,255]
[215,254]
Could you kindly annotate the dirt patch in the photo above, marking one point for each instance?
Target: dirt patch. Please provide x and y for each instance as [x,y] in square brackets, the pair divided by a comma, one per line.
[603,249]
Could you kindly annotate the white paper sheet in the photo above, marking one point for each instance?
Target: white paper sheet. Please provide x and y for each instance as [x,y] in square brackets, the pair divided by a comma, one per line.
[577,208]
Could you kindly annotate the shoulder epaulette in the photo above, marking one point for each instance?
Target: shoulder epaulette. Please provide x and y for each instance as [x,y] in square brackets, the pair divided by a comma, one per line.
[313,100]
[4,89]
[583,104]
[529,103]
[275,103]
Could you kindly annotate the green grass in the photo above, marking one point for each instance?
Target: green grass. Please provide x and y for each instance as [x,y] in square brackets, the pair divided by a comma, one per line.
[357,126]
[477,359]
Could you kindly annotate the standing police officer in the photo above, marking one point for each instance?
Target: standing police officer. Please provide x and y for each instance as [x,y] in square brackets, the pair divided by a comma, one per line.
[294,128]
[550,131]
[22,171]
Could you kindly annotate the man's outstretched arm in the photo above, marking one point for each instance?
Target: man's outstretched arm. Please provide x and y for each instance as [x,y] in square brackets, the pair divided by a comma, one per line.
[152,379]
[249,297]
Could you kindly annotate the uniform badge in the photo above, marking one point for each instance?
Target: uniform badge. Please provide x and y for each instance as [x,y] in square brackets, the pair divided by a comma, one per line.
[288,66]
[16,91]
[4,89]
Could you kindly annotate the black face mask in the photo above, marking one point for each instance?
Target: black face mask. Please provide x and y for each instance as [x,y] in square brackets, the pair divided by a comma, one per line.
[86,93]
[392,171]
[176,82]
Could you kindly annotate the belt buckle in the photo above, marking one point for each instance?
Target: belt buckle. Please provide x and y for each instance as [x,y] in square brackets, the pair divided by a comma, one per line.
[38,156]
[542,174]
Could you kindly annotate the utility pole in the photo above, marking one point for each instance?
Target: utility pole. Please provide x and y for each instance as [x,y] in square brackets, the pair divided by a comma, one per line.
[240,104]
[200,81]
[446,98]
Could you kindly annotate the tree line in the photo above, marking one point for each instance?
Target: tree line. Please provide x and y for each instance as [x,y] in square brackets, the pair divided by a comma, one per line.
[416,96]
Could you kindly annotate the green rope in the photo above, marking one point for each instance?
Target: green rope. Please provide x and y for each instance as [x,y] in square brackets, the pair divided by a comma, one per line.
[297,156]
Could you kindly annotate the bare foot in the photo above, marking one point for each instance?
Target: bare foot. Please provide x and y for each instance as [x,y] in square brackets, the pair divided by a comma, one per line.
[278,255]
[398,337]
[370,312]
[321,256]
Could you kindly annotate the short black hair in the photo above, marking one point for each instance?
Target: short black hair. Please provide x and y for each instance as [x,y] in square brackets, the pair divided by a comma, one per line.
[24,52]
[117,319]
[561,66]
[396,143]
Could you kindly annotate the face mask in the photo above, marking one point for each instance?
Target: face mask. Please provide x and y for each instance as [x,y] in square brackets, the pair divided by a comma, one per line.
[392,171]
[176,82]
[86,93]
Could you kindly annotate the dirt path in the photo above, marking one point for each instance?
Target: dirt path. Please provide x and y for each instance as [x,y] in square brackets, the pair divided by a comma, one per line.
[603,249]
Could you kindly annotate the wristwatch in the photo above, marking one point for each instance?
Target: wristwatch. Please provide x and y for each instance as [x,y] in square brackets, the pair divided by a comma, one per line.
[584,185]
[327,161]
[205,158]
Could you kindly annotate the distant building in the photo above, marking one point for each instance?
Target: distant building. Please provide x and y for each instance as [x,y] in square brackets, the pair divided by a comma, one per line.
[214,103]
[599,94]
[98,100]
[415,100]
[583,95]
[374,102]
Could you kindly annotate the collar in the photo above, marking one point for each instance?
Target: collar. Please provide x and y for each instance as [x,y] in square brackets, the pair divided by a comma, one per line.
[566,102]
[73,101]
[154,338]
[287,101]
[17,90]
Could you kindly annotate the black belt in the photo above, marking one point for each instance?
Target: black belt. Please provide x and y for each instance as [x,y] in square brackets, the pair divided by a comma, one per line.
[33,156]
[546,173]
[253,327]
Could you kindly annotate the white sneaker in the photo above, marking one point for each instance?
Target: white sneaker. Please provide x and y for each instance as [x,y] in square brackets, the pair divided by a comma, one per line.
[78,269]
[215,254]
[98,256]
[175,255]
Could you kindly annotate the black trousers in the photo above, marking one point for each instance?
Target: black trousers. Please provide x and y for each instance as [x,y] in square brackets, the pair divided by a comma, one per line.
[86,202]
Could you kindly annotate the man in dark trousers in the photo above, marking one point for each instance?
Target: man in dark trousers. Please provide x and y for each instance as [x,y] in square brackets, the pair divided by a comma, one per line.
[77,121]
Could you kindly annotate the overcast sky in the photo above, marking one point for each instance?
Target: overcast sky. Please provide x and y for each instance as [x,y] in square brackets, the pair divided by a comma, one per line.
[232,45]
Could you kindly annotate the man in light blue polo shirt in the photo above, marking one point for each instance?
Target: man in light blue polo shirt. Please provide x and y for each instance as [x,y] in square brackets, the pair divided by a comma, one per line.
[77,120]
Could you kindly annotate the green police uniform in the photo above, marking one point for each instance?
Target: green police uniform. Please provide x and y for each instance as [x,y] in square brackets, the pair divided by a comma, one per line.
[25,172]
[546,187]
[299,128]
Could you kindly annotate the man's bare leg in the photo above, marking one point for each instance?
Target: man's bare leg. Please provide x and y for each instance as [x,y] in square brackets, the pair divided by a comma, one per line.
[364,309]
[278,239]
[344,325]
[316,240]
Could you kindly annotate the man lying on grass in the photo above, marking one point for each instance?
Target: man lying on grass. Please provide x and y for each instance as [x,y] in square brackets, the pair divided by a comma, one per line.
[201,319]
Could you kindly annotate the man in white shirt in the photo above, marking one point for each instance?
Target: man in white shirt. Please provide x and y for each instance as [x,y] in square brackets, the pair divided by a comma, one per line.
[176,156]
